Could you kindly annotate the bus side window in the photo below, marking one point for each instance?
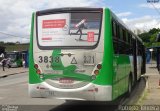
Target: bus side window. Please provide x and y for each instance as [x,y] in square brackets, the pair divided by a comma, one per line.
[115,46]
[114,31]
[122,48]
[17,55]
[124,35]
[130,43]
[118,31]
[121,33]
[139,49]
[115,36]
[20,55]
[128,38]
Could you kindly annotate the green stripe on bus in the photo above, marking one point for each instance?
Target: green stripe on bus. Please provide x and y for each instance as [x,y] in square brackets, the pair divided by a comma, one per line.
[68,71]
[105,76]
[57,64]
[33,77]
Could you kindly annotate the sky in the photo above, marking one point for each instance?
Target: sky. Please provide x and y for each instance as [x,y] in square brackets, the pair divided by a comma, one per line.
[15,15]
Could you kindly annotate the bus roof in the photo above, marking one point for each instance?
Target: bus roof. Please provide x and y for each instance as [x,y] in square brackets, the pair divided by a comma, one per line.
[68,9]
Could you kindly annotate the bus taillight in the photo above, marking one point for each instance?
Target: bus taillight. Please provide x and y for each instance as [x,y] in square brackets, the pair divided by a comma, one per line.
[36,66]
[99,66]
[96,72]
[38,71]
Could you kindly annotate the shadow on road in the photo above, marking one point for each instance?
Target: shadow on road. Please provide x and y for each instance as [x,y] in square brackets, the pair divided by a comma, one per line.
[93,106]
[85,106]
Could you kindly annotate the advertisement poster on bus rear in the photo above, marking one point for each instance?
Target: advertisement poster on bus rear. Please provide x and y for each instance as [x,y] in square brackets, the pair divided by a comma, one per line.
[53,28]
[69,29]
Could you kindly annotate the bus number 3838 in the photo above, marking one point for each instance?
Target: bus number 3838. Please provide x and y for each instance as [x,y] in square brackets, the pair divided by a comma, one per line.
[47,59]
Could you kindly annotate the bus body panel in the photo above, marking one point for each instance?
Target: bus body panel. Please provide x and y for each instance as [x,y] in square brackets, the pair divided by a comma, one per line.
[65,62]
[128,58]
[68,77]
[33,77]
[65,65]
[106,73]
[15,58]
[91,92]
[122,69]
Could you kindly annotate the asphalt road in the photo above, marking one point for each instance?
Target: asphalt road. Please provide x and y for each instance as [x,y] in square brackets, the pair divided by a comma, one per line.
[14,92]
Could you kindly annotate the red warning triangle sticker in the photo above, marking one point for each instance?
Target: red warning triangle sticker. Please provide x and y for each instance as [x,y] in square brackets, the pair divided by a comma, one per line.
[74,61]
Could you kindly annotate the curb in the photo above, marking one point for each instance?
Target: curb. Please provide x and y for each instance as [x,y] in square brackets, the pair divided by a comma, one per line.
[136,99]
[12,74]
[138,102]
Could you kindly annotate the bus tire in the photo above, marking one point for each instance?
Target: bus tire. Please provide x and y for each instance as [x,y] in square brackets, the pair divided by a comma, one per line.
[129,86]
[139,80]
[68,101]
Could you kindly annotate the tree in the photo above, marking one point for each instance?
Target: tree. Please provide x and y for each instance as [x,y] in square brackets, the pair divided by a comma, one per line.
[10,43]
[145,37]
[149,38]
[1,42]
[154,30]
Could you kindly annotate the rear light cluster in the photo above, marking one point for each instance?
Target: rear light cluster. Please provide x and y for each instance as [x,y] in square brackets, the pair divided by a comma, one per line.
[38,71]
[96,71]
[36,66]
[99,66]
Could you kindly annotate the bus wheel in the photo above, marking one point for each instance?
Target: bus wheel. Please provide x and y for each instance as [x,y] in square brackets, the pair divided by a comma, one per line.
[139,80]
[129,86]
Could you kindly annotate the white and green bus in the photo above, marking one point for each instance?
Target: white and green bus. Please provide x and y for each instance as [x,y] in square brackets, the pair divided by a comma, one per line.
[83,54]
[15,58]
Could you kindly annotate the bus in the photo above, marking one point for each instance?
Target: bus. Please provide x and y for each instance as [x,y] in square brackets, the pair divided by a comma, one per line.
[16,58]
[83,54]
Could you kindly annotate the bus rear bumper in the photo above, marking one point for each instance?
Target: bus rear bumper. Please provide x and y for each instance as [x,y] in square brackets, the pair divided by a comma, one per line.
[90,92]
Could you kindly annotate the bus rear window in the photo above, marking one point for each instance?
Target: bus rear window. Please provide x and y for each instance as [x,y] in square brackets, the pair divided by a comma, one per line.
[64,30]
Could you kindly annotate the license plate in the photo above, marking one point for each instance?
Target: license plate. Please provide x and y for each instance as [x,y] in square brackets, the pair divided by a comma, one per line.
[89,59]
[66,80]
[53,71]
